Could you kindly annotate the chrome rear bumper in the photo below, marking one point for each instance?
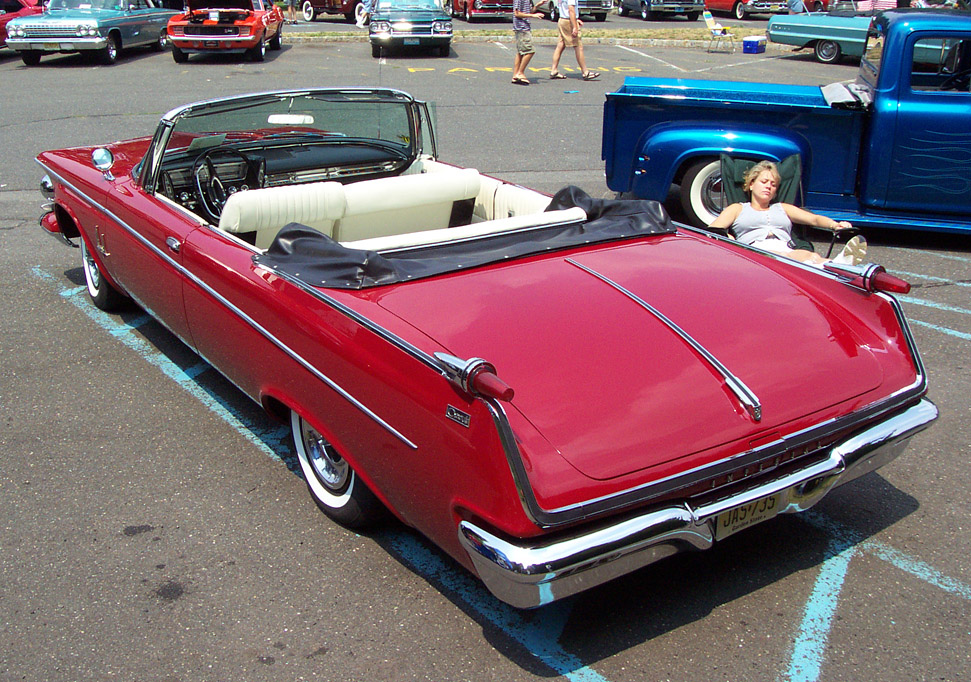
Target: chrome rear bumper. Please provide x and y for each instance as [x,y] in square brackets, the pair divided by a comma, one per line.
[528,575]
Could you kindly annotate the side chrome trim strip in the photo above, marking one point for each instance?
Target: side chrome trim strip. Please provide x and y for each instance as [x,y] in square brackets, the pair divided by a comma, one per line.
[745,395]
[239,313]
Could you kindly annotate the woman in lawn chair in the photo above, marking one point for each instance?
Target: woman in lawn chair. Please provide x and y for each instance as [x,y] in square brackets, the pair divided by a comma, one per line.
[766,224]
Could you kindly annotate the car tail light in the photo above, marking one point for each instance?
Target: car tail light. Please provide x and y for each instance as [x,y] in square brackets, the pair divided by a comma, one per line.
[869,277]
[476,377]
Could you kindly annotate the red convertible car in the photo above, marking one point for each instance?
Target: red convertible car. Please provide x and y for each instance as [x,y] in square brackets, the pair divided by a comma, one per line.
[555,390]
[226,26]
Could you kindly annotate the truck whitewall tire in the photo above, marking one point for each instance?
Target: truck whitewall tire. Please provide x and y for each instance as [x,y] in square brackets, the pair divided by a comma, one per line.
[701,196]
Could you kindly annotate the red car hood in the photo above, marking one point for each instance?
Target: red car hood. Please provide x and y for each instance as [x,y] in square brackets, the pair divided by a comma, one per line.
[612,388]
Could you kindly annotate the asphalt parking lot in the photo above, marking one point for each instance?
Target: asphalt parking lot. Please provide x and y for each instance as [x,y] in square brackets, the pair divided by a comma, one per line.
[152,529]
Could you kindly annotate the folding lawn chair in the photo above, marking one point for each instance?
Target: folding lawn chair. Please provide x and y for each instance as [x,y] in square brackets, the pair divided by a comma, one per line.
[718,32]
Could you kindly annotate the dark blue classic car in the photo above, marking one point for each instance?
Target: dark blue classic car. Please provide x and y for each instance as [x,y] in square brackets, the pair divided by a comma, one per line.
[410,23]
[100,27]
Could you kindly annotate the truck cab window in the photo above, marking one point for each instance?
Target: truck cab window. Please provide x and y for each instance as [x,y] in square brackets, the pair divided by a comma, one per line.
[941,65]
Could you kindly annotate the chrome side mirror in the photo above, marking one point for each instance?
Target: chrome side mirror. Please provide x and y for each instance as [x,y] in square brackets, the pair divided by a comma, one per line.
[103,160]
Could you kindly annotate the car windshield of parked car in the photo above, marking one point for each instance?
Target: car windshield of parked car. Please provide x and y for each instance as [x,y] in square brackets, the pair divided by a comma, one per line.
[310,117]
[409,4]
[86,4]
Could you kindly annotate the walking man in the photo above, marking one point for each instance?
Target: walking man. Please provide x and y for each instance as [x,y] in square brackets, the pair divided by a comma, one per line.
[569,26]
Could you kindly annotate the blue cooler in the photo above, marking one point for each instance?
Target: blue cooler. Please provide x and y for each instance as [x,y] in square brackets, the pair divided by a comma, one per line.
[753,45]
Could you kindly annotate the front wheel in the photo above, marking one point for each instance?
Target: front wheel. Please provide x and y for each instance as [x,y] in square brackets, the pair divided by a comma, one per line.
[103,295]
[162,42]
[827,51]
[308,11]
[109,53]
[554,12]
[702,196]
[30,57]
[692,16]
[333,484]
[623,10]
[257,53]
[375,51]
[178,55]
[645,12]
[600,17]
[738,10]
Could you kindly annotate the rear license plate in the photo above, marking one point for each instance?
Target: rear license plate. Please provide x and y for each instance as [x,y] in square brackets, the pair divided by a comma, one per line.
[742,517]
[411,41]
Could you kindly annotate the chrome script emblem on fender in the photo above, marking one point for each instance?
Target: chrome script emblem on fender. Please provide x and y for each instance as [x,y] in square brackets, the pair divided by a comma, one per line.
[458,416]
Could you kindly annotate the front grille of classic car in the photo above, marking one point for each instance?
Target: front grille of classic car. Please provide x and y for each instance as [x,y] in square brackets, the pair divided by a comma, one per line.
[50,31]
[191,30]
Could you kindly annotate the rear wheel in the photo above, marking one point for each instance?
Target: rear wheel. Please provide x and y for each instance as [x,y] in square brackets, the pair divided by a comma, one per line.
[818,6]
[162,42]
[623,10]
[828,51]
[738,10]
[702,196]
[645,11]
[554,12]
[276,42]
[109,53]
[30,57]
[333,484]
[468,12]
[103,295]
[308,11]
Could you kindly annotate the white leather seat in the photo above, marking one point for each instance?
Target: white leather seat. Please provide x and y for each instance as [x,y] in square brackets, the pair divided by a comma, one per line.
[480,229]
[264,211]
[406,203]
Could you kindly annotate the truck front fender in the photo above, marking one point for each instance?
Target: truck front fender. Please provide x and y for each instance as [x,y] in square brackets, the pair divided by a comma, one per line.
[662,155]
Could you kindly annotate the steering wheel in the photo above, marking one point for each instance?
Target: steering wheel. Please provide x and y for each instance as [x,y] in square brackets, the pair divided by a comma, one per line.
[212,192]
[959,80]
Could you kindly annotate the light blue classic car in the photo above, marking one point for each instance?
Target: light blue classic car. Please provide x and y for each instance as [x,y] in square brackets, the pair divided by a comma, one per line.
[102,27]
[831,36]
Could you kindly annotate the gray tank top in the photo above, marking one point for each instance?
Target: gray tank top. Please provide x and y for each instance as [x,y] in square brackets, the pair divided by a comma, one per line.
[751,226]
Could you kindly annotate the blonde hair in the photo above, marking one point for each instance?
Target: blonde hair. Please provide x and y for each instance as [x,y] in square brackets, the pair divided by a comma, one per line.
[755,171]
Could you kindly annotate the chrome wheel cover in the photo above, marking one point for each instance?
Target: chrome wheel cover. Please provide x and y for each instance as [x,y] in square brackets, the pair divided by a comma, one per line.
[328,466]
[92,275]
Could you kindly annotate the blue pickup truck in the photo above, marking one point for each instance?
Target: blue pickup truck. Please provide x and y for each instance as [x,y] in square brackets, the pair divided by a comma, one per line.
[892,150]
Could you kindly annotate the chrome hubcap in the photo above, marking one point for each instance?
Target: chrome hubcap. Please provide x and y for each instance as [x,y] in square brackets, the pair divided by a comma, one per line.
[91,271]
[328,466]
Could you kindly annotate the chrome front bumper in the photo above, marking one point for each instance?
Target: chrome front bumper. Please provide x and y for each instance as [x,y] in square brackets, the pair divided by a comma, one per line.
[528,575]
[62,44]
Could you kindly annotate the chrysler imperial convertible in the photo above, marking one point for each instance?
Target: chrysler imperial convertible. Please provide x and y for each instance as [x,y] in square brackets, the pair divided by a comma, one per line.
[555,390]
[98,27]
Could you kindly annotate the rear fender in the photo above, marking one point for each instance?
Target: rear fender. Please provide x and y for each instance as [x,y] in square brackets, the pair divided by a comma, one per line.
[664,156]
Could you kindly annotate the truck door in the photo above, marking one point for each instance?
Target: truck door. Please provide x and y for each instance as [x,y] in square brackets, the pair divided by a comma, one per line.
[930,167]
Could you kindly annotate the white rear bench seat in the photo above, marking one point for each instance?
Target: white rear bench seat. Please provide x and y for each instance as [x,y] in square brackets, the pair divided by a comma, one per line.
[480,229]
[370,208]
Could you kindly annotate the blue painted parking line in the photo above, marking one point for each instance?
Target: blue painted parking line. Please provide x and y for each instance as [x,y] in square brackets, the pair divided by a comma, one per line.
[539,636]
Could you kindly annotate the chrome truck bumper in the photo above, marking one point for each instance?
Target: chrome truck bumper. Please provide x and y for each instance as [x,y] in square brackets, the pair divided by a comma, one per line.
[528,575]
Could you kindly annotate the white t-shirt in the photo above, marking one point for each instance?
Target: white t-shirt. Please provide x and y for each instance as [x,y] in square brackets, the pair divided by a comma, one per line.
[563,8]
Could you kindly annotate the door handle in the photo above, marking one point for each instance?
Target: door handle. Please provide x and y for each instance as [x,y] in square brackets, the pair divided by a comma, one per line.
[173,244]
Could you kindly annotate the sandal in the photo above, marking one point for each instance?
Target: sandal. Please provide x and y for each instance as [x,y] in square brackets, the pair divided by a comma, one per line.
[519,81]
[591,75]
[556,76]
[854,252]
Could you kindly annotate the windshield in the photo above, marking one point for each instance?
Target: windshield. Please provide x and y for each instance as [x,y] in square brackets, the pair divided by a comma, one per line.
[87,4]
[311,116]
[409,4]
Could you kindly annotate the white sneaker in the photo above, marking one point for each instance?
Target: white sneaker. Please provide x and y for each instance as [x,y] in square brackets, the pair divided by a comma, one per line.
[853,253]
[361,21]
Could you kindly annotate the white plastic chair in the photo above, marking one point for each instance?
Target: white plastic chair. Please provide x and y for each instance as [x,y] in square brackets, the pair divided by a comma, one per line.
[718,32]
